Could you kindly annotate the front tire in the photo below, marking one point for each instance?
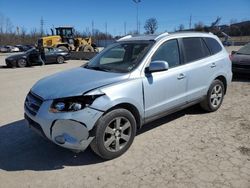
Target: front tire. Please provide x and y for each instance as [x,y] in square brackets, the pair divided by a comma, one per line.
[22,63]
[88,48]
[60,59]
[214,96]
[114,133]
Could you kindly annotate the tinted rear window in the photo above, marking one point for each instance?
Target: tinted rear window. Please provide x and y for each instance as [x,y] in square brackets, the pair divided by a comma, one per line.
[194,49]
[213,45]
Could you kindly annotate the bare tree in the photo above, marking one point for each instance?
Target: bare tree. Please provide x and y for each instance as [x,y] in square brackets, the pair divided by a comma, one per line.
[233,21]
[199,26]
[151,25]
[181,27]
[216,22]
[1,23]
[8,26]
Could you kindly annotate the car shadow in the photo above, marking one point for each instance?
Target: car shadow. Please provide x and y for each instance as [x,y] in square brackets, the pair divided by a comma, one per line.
[32,66]
[22,149]
[193,110]
[5,67]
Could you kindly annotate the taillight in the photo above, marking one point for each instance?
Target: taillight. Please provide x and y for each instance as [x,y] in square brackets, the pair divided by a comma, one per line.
[231,57]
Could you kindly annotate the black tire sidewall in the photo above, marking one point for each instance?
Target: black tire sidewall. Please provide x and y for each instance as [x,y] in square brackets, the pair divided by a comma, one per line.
[58,58]
[214,83]
[100,129]
[22,65]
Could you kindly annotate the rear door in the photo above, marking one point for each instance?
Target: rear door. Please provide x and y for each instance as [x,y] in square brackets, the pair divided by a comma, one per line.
[50,55]
[33,56]
[165,90]
[199,67]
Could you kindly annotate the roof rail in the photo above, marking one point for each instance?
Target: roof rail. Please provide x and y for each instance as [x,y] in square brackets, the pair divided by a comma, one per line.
[126,37]
[162,35]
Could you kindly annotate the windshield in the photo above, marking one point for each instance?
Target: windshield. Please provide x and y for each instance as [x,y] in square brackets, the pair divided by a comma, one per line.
[245,49]
[30,50]
[120,57]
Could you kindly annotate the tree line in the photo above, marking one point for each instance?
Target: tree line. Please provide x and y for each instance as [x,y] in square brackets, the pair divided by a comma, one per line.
[10,35]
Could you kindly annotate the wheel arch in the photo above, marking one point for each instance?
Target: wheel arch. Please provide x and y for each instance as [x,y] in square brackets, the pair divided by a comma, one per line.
[131,108]
[223,80]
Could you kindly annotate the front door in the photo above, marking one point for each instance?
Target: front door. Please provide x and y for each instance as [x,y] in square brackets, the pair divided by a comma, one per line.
[165,90]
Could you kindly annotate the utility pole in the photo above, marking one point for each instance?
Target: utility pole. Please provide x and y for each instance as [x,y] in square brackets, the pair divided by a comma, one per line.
[92,27]
[137,22]
[106,33]
[42,24]
[17,30]
[190,21]
[125,28]
[106,28]
[139,27]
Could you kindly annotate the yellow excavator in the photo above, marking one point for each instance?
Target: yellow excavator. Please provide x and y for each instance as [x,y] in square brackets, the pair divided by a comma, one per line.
[64,39]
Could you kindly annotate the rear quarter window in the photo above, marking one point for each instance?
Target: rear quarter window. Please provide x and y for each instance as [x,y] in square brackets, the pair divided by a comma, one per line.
[194,49]
[213,45]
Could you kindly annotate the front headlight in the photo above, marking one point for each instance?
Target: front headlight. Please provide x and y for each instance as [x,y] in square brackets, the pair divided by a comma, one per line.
[71,104]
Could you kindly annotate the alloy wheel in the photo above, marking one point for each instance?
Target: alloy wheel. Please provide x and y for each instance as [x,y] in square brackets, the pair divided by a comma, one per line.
[216,96]
[117,134]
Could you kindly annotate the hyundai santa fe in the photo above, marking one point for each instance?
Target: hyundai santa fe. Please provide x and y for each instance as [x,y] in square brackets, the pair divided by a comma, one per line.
[134,81]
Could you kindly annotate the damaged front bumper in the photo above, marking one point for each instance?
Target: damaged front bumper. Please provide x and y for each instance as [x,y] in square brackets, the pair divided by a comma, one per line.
[67,129]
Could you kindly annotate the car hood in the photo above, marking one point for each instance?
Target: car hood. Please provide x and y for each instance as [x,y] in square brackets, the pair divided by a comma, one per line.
[74,82]
[16,56]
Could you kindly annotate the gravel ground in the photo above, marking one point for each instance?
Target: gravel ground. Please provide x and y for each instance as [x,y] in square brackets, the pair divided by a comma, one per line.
[187,149]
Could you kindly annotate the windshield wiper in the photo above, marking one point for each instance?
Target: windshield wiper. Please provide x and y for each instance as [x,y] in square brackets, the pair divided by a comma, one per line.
[96,68]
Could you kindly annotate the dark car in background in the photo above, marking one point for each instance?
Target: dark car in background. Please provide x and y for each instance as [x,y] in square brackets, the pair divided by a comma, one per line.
[31,57]
[24,48]
[4,49]
[8,48]
[241,60]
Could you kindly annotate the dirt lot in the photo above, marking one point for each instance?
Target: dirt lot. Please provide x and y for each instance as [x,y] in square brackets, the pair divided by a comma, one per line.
[187,149]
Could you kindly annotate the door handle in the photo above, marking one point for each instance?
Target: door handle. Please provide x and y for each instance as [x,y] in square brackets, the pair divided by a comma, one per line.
[213,65]
[181,76]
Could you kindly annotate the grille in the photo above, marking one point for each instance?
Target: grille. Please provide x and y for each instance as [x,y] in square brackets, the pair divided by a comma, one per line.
[36,126]
[33,103]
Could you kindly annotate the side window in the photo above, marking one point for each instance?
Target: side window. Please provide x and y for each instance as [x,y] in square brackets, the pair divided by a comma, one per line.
[194,49]
[169,52]
[213,45]
[46,50]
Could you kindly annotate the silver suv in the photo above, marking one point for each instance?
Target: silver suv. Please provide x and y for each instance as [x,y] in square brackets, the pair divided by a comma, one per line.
[134,81]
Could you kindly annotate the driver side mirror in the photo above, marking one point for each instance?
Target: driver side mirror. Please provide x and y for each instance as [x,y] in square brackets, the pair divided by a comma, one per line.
[157,66]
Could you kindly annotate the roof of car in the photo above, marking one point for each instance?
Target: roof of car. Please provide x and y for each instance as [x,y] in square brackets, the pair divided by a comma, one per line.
[163,35]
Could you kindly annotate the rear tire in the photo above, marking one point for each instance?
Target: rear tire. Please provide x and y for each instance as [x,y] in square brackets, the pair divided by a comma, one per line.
[88,48]
[114,134]
[214,96]
[22,63]
[60,59]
